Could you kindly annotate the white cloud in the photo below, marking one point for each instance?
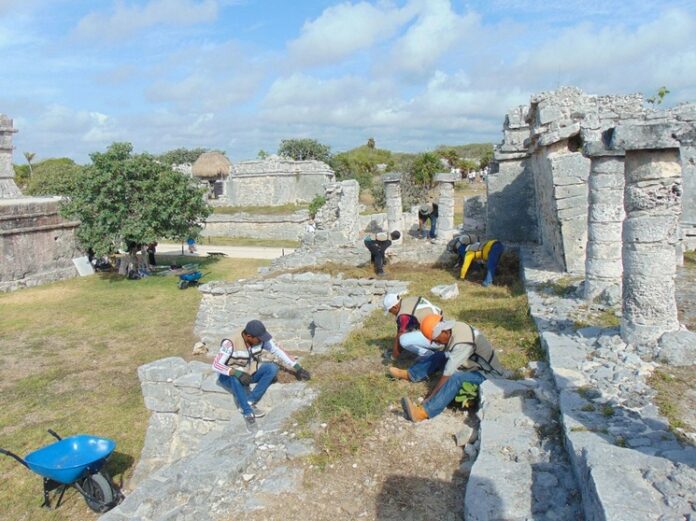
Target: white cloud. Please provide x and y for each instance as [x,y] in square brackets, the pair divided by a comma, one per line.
[127,19]
[435,32]
[344,29]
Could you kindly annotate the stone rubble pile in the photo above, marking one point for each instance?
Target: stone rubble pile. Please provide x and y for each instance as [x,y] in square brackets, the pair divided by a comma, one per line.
[197,449]
[628,463]
[305,311]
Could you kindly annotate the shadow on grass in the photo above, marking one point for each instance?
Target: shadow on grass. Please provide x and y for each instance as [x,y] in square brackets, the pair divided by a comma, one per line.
[117,466]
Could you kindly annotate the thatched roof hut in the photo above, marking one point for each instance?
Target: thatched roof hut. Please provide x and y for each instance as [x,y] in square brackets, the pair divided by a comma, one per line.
[212,165]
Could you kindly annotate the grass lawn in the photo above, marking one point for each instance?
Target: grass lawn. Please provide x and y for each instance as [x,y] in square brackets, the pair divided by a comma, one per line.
[354,391]
[261,210]
[70,351]
[249,241]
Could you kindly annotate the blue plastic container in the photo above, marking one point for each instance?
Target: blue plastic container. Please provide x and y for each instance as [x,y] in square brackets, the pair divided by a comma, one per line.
[72,458]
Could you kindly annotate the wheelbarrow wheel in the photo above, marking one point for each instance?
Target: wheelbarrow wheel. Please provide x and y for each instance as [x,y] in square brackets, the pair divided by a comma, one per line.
[99,493]
[183,284]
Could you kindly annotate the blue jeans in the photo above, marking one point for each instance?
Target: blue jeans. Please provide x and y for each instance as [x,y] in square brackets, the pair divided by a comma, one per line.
[262,378]
[427,366]
[492,263]
[433,227]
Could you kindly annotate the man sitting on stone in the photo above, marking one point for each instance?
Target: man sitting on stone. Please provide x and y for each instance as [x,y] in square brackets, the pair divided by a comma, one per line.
[467,357]
[239,365]
[378,248]
[488,252]
[409,311]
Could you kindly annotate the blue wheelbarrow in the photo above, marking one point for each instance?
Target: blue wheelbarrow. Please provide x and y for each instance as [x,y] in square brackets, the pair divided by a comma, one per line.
[189,279]
[77,462]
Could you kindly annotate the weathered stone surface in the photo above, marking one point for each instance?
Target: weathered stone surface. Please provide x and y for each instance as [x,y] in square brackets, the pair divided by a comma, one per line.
[677,348]
[276,181]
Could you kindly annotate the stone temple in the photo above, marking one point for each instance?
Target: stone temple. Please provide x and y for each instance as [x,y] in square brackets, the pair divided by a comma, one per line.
[36,244]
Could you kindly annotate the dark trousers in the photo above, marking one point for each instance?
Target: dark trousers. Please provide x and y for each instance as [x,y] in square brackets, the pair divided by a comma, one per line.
[376,256]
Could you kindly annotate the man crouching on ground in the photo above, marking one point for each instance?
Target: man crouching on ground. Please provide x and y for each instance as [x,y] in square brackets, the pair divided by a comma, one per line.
[239,365]
[466,357]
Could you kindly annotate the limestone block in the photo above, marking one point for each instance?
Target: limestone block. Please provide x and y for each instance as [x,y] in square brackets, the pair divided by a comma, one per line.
[165,370]
[651,229]
[649,261]
[604,231]
[605,212]
[565,191]
[644,137]
[548,114]
[649,195]
[604,268]
[678,348]
[191,380]
[446,291]
[609,251]
[160,397]
[650,304]
[211,407]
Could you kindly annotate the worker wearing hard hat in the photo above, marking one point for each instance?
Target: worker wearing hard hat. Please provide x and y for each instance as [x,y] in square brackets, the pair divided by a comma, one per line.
[488,253]
[467,356]
[409,311]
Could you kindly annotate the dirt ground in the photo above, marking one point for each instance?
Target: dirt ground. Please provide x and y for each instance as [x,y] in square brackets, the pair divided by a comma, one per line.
[403,472]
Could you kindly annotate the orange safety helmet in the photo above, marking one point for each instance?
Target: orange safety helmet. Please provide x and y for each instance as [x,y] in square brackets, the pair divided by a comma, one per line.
[428,325]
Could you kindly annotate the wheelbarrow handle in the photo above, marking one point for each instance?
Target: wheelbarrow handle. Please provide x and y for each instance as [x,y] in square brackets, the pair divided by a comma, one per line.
[13,455]
[54,434]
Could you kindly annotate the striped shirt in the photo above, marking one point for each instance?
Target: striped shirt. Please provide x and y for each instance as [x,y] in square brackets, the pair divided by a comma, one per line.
[236,355]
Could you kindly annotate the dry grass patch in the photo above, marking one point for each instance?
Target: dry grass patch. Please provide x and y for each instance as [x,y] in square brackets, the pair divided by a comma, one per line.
[70,351]
[676,396]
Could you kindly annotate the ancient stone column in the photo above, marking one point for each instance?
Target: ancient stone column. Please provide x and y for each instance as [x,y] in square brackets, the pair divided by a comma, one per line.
[445,220]
[8,188]
[603,267]
[652,200]
[392,192]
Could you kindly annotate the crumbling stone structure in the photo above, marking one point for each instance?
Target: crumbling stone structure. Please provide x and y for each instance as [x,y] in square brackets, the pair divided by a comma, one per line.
[276,181]
[445,220]
[313,311]
[36,244]
[537,189]
[392,191]
[260,226]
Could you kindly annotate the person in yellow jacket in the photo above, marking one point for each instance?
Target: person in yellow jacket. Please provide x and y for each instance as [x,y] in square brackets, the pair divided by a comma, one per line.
[488,252]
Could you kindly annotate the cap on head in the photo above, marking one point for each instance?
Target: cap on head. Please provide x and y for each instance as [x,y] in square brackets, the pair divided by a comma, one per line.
[390,300]
[381,236]
[425,208]
[444,325]
[256,329]
[428,325]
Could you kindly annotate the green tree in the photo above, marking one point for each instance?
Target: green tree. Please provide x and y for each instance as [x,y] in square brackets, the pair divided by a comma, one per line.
[54,177]
[348,166]
[124,198]
[262,154]
[301,149]
[371,143]
[450,155]
[21,175]
[424,168]
[316,204]
[180,156]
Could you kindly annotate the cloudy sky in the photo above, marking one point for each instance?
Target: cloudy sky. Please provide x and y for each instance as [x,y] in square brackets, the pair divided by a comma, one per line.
[240,75]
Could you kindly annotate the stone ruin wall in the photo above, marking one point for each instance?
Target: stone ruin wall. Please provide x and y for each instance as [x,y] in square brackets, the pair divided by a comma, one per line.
[276,181]
[37,245]
[286,226]
[313,311]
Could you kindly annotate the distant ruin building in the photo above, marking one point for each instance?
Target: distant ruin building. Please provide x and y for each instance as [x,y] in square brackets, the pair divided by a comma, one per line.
[36,244]
[213,168]
[276,181]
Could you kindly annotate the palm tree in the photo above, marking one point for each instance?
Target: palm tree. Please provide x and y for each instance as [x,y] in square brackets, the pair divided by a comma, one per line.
[30,157]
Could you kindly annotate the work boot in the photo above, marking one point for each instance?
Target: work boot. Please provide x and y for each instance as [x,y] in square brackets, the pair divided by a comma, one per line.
[250,420]
[399,374]
[413,412]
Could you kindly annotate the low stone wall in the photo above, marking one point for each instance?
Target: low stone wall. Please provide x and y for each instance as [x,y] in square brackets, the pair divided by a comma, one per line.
[261,226]
[197,449]
[305,311]
[36,244]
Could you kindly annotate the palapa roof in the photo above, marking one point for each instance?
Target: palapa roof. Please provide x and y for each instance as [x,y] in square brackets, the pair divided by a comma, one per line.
[211,165]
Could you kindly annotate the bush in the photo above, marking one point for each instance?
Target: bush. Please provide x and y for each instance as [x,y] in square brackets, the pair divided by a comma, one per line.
[316,204]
